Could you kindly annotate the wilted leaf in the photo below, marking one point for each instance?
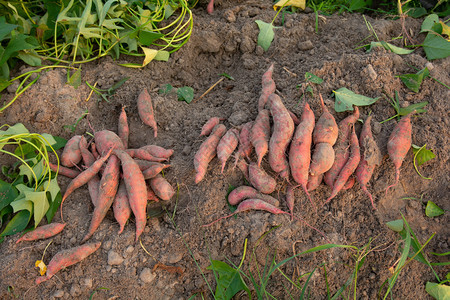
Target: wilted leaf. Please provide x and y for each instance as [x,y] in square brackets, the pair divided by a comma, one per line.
[432,210]
[389,47]
[15,129]
[413,81]
[162,55]
[149,55]
[266,34]
[229,282]
[345,99]
[75,79]
[42,267]
[296,3]
[438,291]
[445,30]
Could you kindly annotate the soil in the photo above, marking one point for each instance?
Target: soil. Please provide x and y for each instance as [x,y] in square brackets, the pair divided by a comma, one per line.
[226,42]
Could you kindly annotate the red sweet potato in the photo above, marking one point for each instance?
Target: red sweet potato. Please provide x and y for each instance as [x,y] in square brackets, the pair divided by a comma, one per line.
[260,134]
[243,166]
[326,129]
[108,186]
[136,190]
[210,7]
[63,170]
[283,129]
[162,188]
[322,159]
[151,195]
[121,206]
[88,160]
[370,158]
[123,129]
[144,154]
[290,200]
[42,232]
[349,167]
[66,258]
[245,145]
[209,125]
[158,151]
[260,180]
[268,88]
[154,170]
[294,118]
[71,154]
[207,152]
[244,192]
[314,182]
[341,148]
[300,149]
[227,145]
[398,145]
[145,110]
[349,184]
[106,140]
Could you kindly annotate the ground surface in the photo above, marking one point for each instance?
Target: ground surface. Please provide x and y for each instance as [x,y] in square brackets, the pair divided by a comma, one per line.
[226,42]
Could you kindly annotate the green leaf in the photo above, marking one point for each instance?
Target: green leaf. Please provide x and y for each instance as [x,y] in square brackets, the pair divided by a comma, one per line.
[5,28]
[22,204]
[165,89]
[4,213]
[413,81]
[417,12]
[403,111]
[146,38]
[30,58]
[40,205]
[345,99]
[185,93]
[438,291]
[54,206]
[423,154]
[18,223]
[428,23]
[16,44]
[7,194]
[162,55]
[389,47]
[266,34]
[313,78]
[435,46]
[4,83]
[432,210]
[227,76]
[396,225]
[14,130]
[75,79]
[230,281]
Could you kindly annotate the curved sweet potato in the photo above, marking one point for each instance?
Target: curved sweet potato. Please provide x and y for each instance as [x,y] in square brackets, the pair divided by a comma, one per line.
[71,154]
[260,180]
[226,146]
[322,159]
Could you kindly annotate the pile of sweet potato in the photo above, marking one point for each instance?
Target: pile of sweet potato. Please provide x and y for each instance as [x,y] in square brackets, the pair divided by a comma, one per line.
[303,152]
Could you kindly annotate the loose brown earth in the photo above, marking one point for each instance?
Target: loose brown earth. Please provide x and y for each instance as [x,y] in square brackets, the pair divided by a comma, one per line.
[226,42]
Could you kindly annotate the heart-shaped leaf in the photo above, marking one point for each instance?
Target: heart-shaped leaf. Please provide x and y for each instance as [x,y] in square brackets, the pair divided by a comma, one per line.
[432,210]
[345,99]
[266,34]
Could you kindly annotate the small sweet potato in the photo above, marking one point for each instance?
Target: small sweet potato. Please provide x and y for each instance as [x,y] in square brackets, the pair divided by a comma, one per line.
[123,129]
[71,154]
[145,110]
[326,129]
[42,232]
[260,180]
[209,125]
[260,134]
[322,159]
[244,192]
[162,188]
[226,146]
[314,182]
[121,206]
[158,151]
[245,145]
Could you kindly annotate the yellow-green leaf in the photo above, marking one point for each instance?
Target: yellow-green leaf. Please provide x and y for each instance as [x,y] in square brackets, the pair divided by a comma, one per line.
[297,3]
[42,267]
[149,55]
[40,206]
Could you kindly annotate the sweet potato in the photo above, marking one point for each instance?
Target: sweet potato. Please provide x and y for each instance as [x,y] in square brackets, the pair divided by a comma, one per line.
[243,166]
[349,184]
[88,160]
[123,129]
[42,232]
[314,182]
[71,154]
[322,159]
[294,118]
[63,170]
[145,110]
[326,129]
[162,188]
[106,140]
[84,177]
[260,134]
[144,154]
[94,151]
[341,148]
[245,145]
[121,206]
[66,258]
[158,151]
[268,88]
[209,125]
[151,195]
[370,158]
[283,129]
[226,146]
[244,192]
[210,7]
[349,167]
[260,180]
[154,170]
[398,145]
[136,190]
[207,151]
[108,186]
[290,200]
[300,149]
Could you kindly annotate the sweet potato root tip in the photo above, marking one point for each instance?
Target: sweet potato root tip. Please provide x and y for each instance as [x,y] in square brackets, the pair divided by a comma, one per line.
[66,258]
[210,7]
[145,110]
[42,232]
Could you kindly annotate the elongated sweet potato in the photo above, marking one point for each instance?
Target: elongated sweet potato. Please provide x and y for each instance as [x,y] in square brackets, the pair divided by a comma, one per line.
[66,258]
[136,190]
[108,186]
[300,149]
[88,160]
[121,206]
[154,170]
[145,110]
[42,232]
[63,170]
[227,145]
[260,180]
[244,192]
[398,145]
[283,129]
[268,88]
[144,154]
[260,134]
[322,159]
[209,125]
[245,145]
[158,151]
[290,199]
[341,148]
[207,151]
[123,129]
[294,118]
[326,129]
[162,188]
[71,154]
